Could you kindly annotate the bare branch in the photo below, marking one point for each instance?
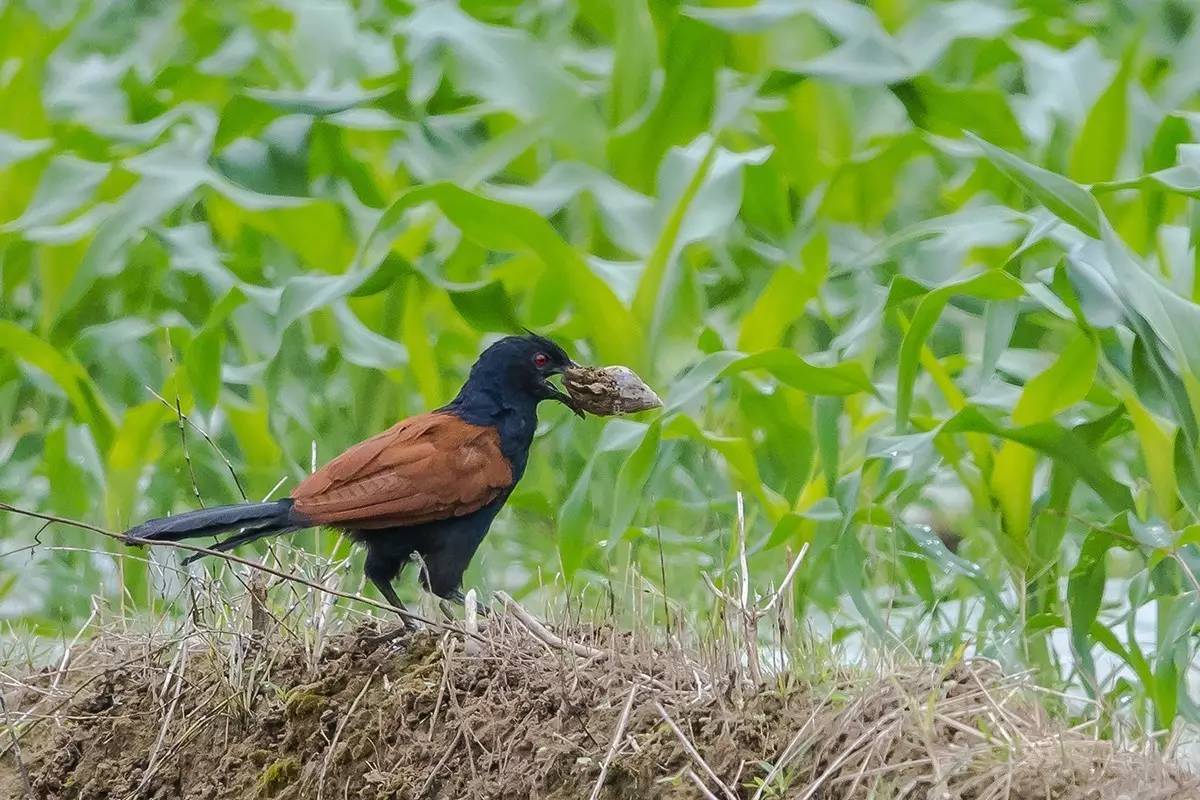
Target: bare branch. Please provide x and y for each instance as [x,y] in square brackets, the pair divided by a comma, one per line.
[236,560]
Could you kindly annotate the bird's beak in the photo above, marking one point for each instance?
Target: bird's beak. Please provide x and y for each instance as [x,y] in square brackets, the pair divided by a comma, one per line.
[562,396]
[567,401]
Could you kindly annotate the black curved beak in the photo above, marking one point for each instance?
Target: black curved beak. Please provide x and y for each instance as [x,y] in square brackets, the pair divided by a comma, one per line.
[562,396]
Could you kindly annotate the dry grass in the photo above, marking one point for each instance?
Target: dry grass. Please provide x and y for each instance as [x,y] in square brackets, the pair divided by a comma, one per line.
[523,710]
[283,693]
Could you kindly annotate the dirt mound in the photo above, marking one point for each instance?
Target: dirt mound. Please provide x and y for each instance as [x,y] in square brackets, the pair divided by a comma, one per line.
[517,713]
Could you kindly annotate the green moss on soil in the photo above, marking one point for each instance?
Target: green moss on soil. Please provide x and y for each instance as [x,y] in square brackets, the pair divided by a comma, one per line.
[278,775]
[300,703]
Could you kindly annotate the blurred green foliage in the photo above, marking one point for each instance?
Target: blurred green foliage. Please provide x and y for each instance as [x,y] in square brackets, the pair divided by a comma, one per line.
[918,278]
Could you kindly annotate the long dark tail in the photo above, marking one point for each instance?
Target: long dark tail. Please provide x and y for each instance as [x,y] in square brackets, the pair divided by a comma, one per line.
[251,520]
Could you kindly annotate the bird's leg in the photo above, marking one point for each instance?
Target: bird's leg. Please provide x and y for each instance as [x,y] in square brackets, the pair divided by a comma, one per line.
[389,594]
[382,570]
[385,588]
[406,625]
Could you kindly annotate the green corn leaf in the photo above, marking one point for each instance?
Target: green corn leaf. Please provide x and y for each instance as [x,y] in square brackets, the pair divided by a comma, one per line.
[1063,197]
[631,481]
[1098,149]
[784,365]
[993,285]
[90,407]
[1085,591]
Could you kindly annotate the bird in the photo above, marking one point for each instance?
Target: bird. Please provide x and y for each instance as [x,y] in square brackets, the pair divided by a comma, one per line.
[430,485]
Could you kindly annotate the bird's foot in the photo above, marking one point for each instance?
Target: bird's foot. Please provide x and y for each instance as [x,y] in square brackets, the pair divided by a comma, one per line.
[401,630]
[406,620]
[448,601]
[446,605]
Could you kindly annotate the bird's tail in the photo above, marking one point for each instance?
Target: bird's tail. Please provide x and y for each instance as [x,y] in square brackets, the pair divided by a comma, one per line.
[251,520]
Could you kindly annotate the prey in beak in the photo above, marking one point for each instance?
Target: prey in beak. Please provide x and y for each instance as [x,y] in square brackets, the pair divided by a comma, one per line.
[608,391]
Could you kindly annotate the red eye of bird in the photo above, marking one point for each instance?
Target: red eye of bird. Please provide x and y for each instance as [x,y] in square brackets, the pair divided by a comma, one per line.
[541,360]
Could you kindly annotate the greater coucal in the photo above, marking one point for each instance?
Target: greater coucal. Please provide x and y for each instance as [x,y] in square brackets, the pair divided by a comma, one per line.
[430,484]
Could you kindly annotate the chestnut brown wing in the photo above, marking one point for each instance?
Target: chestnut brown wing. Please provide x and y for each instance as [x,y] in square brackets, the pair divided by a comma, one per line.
[425,468]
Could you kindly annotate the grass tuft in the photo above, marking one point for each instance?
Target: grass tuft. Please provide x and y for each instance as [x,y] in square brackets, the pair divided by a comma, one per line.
[526,707]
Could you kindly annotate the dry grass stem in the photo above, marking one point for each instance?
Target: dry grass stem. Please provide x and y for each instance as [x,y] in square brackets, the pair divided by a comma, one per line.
[200,713]
[692,751]
[618,734]
[15,748]
[543,633]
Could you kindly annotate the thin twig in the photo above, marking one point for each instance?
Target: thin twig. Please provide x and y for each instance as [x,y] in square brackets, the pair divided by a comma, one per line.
[341,725]
[441,695]
[207,438]
[187,456]
[712,587]
[691,773]
[847,751]
[662,568]
[749,614]
[441,762]
[15,747]
[618,734]
[66,656]
[787,579]
[234,559]
[180,660]
[779,764]
[692,751]
[543,633]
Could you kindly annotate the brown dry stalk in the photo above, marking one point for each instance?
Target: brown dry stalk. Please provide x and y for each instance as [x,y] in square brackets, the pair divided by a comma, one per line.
[616,741]
[16,748]
[235,560]
[704,790]
[541,632]
[341,726]
[692,751]
[178,663]
[879,725]
[741,607]
[441,762]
